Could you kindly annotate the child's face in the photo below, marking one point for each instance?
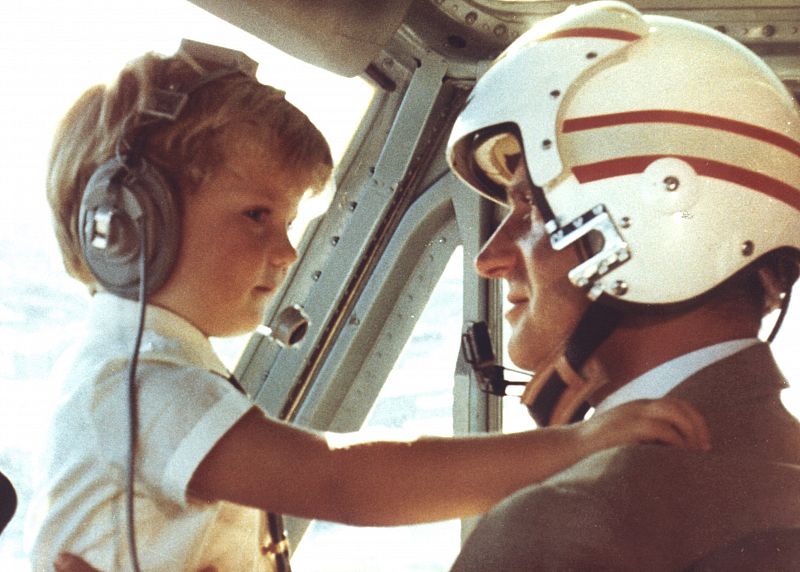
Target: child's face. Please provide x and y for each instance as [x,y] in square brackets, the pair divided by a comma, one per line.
[234,249]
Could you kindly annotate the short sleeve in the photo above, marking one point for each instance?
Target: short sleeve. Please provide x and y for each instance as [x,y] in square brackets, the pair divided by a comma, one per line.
[183,412]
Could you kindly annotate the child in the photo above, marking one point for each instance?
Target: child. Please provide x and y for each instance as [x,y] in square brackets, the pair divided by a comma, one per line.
[236,159]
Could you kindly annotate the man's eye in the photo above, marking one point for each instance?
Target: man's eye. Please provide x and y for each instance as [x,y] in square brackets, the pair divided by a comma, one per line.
[257,215]
[521,196]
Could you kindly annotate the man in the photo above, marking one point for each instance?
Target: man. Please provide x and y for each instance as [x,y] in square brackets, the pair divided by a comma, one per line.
[651,168]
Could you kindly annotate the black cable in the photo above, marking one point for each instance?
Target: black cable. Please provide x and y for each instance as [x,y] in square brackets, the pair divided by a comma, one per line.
[133,418]
[783,311]
[280,546]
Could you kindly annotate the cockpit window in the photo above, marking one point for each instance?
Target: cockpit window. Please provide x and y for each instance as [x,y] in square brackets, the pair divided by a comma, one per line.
[416,399]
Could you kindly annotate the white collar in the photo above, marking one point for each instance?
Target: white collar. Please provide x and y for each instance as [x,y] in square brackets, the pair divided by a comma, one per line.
[167,336]
[663,378]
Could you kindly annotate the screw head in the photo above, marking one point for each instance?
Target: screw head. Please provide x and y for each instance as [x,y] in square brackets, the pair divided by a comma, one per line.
[619,288]
[671,183]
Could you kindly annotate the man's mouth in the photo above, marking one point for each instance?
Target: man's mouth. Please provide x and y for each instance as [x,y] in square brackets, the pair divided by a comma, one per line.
[517,304]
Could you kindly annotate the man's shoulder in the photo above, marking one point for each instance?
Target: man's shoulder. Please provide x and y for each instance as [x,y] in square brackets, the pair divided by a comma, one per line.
[647,466]
[614,509]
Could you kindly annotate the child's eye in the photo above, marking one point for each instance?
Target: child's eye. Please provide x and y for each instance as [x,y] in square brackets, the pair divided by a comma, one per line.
[257,215]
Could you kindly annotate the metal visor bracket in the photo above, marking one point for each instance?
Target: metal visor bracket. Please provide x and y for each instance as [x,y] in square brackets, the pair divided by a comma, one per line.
[613,252]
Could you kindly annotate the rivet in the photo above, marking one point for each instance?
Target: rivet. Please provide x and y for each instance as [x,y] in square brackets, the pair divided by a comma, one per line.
[471,17]
[748,247]
[499,30]
[625,222]
[768,31]
[546,144]
[555,93]
[591,55]
[334,240]
[352,205]
[619,288]
[671,183]
[316,275]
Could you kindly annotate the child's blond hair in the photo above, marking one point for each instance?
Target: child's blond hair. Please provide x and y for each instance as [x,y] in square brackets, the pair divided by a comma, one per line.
[186,150]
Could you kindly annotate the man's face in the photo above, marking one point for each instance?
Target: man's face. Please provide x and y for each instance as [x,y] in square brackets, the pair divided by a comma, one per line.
[235,250]
[545,307]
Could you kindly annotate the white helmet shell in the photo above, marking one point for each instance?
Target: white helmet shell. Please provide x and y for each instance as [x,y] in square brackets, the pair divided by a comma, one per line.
[679,145]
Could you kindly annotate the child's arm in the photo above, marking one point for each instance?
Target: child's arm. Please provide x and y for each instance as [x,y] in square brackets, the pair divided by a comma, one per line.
[274,466]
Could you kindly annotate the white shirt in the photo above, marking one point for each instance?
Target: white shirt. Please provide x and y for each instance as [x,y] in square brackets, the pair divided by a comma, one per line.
[185,406]
[664,378]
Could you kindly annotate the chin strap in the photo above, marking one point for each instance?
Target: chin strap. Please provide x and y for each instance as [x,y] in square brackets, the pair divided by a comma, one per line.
[559,394]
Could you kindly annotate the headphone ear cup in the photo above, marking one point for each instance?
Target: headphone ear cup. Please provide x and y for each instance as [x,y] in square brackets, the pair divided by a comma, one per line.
[119,203]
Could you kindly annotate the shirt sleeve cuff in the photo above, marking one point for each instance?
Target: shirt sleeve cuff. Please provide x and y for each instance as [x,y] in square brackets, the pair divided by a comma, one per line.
[199,442]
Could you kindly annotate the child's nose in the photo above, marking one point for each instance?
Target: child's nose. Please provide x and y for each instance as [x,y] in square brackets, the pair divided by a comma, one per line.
[282,253]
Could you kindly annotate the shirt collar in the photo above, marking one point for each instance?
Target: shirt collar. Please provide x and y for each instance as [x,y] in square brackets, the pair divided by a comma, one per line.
[167,336]
[664,378]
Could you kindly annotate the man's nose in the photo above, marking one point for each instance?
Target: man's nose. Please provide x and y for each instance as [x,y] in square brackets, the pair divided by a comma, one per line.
[497,256]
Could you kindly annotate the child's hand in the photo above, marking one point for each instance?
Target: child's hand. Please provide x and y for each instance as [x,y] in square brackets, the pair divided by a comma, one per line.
[668,421]
[71,563]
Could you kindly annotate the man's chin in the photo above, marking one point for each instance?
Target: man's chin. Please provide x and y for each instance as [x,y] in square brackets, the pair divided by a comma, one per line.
[520,353]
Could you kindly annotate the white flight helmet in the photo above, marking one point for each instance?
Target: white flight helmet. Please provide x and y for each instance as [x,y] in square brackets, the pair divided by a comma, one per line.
[672,141]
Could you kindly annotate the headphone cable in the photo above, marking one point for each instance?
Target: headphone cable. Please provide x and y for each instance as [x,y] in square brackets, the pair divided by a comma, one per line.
[784,309]
[133,419]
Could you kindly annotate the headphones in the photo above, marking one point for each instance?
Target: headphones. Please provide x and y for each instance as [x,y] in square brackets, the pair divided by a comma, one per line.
[124,208]
[128,210]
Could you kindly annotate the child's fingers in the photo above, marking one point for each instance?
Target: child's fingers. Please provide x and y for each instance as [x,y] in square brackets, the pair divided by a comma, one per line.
[678,423]
[687,420]
[70,563]
[697,423]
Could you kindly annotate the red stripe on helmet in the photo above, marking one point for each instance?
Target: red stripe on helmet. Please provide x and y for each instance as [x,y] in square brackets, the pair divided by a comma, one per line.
[606,33]
[684,118]
[703,167]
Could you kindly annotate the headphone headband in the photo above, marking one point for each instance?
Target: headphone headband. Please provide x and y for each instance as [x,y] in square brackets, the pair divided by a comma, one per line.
[211,62]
